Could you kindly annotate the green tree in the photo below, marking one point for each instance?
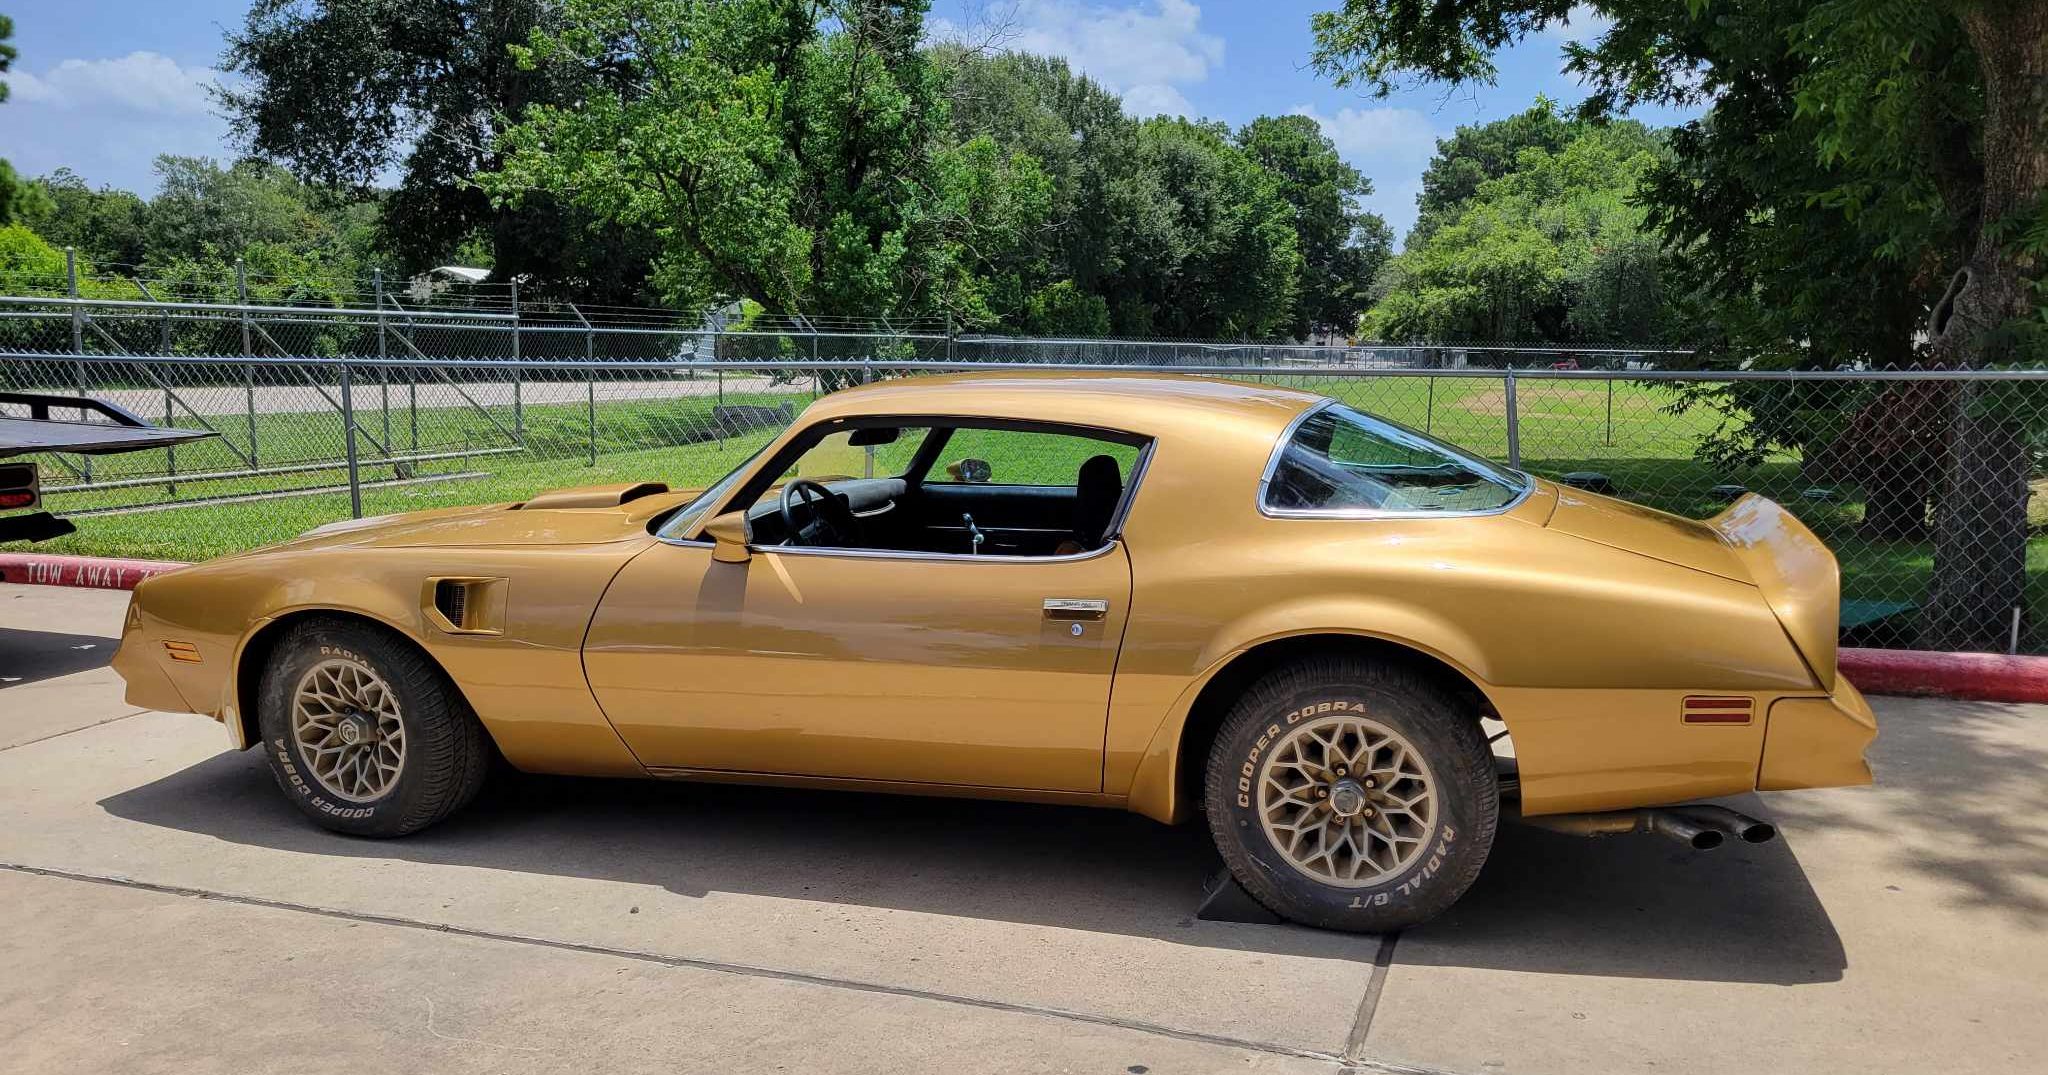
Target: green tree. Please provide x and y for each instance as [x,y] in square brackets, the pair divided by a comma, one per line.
[106,225]
[342,92]
[1475,153]
[1218,257]
[1550,250]
[17,199]
[1342,246]
[781,151]
[1923,120]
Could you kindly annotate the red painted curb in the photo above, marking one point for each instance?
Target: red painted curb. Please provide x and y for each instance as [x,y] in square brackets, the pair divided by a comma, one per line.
[91,572]
[1976,677]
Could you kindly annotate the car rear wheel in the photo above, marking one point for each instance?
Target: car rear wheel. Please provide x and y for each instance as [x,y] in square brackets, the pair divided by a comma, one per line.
[364,734]
[1352,795]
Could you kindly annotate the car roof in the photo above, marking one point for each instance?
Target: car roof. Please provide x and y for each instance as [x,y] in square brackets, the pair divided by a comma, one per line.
[1151,403]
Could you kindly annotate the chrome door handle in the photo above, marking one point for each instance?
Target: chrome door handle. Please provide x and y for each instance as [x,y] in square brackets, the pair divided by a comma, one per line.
[1075,608]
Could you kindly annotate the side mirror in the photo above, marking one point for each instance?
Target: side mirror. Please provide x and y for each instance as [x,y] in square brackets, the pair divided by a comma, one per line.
[729,534]
[972,470]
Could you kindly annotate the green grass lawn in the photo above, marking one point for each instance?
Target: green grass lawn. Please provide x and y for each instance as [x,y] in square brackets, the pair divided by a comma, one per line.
[1565,426]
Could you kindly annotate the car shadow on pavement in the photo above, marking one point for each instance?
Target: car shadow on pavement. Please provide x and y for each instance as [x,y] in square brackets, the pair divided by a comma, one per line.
[33,656]
[1638,907]
[1629,906]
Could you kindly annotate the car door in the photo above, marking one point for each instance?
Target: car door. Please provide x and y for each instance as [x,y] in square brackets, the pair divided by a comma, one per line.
[988,671]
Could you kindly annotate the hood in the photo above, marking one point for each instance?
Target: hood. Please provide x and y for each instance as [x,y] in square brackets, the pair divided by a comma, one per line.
[1645,531]
[583,516]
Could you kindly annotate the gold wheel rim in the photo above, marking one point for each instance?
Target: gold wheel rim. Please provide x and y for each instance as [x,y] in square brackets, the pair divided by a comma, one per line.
[345,721]
[1347,801]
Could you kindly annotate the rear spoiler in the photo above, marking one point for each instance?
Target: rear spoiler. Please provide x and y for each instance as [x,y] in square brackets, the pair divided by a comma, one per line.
[1797,574]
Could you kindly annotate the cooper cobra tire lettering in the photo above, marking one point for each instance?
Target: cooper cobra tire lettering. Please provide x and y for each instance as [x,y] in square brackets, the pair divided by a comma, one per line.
[1420,710]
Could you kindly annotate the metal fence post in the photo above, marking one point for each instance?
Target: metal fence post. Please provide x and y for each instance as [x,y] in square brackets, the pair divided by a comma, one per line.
[589,378]
[77,334]
[348,430]
[1429,412]
[248,350]
[1514,425]
[518,375]
[383,372]
[1610,412]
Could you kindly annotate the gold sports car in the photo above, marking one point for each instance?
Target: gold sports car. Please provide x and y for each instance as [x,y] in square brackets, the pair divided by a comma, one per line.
[1345,643]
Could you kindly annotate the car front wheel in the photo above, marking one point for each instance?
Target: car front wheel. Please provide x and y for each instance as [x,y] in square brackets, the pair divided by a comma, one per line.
[363,733]
[1352,795]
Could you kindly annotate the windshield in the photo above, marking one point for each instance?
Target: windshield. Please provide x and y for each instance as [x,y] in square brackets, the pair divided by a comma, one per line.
[1341,460]
[685,519]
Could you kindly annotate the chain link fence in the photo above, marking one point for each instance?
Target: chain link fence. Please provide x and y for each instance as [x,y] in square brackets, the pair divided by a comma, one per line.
[341,411]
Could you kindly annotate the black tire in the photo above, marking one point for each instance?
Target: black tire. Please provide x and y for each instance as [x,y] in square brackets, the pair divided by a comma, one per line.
[1401,699]
[446,751]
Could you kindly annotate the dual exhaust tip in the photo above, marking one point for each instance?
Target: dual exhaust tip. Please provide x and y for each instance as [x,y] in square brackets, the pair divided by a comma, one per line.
[1703,828]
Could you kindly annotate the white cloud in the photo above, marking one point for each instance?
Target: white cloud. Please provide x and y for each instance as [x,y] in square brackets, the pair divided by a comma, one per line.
[147,83]
[1391,146]
[1156,99]
[1381,136]
[107,119]
[1148,52]
[1582,23]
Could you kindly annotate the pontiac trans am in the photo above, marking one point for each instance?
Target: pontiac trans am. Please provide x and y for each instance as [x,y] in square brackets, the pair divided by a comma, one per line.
[1346,645]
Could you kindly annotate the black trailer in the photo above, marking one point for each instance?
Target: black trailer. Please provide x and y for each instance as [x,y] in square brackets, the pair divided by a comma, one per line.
[75,425]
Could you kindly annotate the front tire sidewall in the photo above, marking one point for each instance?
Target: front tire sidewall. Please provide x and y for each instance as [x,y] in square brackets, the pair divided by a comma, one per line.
[391,813]
[1430,883]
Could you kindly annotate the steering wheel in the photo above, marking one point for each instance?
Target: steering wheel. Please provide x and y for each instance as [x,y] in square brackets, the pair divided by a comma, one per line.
[829,516]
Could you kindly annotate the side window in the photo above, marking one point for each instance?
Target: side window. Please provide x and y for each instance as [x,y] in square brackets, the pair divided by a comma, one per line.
[859,453]
[1343,460]
[1021,457]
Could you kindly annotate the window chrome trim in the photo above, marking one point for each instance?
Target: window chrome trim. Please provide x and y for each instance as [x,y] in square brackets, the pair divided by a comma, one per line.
[1528,486]
[897,554]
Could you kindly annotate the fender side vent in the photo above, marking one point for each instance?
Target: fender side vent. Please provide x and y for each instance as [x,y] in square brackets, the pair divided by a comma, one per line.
[1717,709]
[465,606]
[452,598]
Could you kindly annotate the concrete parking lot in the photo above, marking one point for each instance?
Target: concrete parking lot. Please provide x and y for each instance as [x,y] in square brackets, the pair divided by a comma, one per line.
[169,911]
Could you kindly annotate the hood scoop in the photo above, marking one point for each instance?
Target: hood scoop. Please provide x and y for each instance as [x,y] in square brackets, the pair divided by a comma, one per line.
[592,496]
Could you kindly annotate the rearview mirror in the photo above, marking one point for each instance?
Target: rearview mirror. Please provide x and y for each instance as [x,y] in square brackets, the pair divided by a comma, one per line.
[972,470]
[873,436]
[729,534]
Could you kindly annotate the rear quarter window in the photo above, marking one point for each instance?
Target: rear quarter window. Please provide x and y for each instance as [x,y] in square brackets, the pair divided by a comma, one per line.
[1342,461]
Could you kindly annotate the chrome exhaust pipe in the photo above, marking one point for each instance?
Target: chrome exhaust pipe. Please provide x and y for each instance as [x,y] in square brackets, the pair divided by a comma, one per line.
[1733,822]
[1695,833]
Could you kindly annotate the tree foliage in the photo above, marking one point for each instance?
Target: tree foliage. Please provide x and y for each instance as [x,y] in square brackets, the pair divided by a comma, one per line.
[1550,248]
[17,199]
[1342,246]
[1905,157]
[344,92]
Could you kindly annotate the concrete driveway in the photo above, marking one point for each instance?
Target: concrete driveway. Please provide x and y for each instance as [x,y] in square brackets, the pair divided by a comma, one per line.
[169,911]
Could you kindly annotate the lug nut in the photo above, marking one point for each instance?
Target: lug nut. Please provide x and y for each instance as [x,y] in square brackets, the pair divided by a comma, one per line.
[1371,783]
[1340,770]
[1322,793]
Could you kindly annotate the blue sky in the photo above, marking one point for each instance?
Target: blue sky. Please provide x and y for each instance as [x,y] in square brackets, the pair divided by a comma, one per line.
[103,86]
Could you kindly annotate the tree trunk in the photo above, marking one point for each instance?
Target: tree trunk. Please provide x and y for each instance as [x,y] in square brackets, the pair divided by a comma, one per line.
[1980,550]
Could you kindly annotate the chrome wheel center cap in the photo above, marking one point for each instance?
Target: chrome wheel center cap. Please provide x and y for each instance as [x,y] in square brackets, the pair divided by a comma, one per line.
[353,730]
[1347,798]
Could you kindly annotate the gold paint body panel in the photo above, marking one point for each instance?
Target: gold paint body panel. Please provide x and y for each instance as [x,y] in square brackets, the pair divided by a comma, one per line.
[1582,621]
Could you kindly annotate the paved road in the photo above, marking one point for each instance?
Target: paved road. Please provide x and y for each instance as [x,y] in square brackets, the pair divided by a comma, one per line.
[169,912]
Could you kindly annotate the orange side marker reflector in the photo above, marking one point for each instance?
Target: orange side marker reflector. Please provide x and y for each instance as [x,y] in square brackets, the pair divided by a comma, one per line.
[183,651]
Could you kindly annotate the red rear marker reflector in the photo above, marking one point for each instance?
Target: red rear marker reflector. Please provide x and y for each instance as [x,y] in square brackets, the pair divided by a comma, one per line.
[1701,709]
[17,500]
